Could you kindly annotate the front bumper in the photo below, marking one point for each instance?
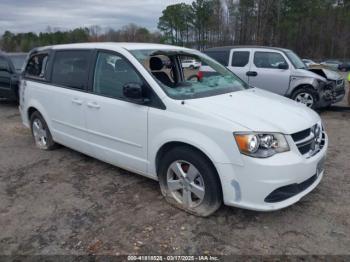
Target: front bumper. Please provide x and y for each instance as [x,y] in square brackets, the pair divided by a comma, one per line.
[332,93]
[249,185]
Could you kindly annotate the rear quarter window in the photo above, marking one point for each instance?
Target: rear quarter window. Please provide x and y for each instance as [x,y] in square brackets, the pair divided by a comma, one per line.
[240,58]
[36,66]
[220,56]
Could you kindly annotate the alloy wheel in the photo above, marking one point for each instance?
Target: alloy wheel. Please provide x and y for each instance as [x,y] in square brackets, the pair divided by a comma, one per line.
[185,183]
[40,134]
[305,98]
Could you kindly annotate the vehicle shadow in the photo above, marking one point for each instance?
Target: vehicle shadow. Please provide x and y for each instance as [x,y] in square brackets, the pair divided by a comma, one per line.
[8,103]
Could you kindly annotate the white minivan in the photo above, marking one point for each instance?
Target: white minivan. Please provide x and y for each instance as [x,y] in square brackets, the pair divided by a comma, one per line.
[206,142]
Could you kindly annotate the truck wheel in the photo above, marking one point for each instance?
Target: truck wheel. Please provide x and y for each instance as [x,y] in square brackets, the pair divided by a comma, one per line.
[189,181]
[41,133]
[306,96]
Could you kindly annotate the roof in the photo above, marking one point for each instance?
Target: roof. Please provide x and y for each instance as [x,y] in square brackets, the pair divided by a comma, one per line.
[15,53]
[228,48]
[113,45]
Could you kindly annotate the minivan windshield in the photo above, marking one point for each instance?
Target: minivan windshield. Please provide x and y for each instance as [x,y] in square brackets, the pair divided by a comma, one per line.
[182,82]
[295,59]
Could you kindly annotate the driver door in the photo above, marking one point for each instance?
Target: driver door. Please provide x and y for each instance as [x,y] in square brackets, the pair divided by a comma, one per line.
[117,127]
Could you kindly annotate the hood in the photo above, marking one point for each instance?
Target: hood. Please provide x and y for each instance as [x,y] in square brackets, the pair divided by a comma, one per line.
[307,73]
[332,75]
[258,110]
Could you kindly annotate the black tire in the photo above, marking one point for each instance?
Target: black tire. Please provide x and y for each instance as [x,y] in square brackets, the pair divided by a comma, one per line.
[306,90]
[212,199]
[50,144]
[191,67]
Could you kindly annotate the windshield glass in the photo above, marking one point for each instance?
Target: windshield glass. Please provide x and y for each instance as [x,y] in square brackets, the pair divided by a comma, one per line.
[295,59]
[177,72]
[18,61]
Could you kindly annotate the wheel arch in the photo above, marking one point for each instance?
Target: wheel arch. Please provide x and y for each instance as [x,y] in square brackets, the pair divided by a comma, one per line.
[172,144]
[32,107]
[305,86]
[30,111]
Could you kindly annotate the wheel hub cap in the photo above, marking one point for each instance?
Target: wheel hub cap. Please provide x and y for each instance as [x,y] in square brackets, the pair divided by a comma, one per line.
[305,98]
[185,183]
[40,134]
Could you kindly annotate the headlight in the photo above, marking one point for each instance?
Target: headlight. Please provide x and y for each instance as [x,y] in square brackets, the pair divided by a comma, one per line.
[321,84]
[261,145]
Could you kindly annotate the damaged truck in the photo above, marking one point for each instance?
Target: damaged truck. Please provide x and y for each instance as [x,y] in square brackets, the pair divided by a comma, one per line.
[280,71]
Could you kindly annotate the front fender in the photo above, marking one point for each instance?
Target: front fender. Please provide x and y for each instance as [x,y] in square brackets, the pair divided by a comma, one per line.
[301,81]
[198,140]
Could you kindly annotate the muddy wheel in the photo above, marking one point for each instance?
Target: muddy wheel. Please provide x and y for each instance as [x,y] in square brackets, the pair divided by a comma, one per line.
[41,133]
[189,181]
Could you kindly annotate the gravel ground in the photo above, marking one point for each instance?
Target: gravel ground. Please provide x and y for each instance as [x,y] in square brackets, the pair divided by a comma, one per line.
[63,202]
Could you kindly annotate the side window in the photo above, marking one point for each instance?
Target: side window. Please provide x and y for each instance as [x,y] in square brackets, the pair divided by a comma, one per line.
[71,68]
[4,66]
[36,66]
[220,56]
[112,72]
[240,58]
[268,60]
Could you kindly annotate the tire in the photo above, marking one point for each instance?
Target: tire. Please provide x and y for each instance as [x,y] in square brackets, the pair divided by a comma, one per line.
[41,133]
[191,67]
[307,96]
[199,191]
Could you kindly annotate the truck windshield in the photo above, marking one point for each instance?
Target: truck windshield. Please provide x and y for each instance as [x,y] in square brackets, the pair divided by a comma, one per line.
[295,59]
[182,81]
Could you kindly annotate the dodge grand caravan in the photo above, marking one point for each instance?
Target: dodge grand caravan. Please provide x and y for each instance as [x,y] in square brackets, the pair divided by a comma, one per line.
[206,142]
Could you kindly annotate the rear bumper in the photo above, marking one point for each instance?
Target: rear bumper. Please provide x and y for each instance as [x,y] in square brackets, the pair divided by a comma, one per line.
[25,120]
[249,186]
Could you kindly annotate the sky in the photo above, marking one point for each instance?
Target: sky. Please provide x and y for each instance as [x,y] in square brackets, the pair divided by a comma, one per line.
[36,15]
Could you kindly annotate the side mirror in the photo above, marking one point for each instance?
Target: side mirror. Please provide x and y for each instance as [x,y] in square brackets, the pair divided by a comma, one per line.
[134,92]
[283,66]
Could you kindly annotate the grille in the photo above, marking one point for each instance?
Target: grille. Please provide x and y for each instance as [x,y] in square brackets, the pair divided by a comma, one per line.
[310,141]
[288,191]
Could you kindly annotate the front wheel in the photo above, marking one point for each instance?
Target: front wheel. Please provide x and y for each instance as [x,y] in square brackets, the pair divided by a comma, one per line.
[189,181]
[306,96]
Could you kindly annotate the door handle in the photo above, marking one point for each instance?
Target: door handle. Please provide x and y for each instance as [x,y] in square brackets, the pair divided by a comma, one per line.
[93,105]
[77,101]
[251,73]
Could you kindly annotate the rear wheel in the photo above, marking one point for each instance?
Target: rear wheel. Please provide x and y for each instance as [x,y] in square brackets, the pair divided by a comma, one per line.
[306,96]
[189,181]
[41,133]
